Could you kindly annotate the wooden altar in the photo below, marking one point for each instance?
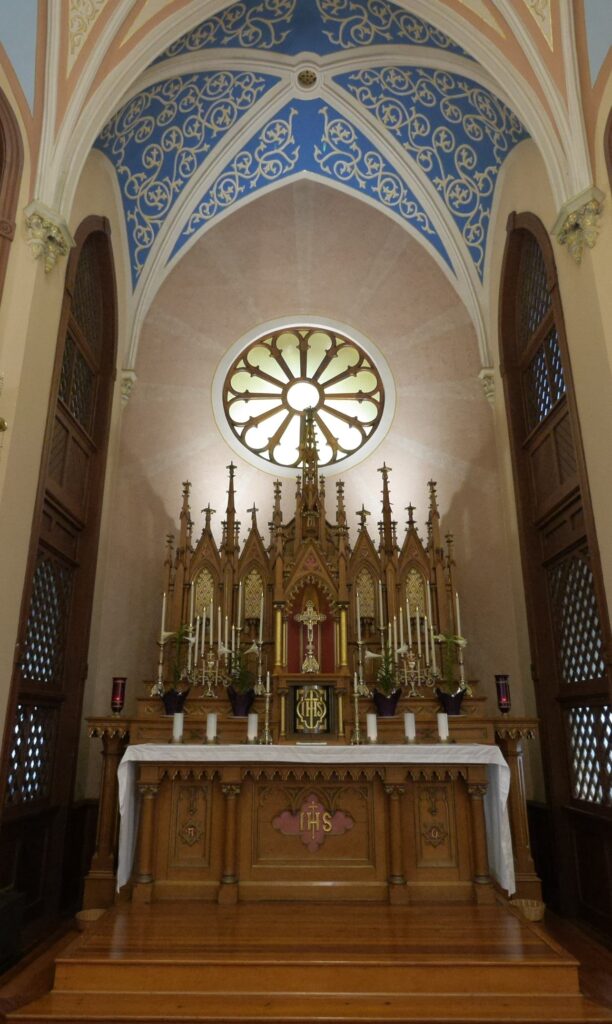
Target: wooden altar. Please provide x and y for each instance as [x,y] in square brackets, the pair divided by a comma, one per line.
[314,625]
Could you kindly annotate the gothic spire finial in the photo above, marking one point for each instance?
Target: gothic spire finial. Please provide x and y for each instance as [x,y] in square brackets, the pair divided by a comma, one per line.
[410,509]
[363,513]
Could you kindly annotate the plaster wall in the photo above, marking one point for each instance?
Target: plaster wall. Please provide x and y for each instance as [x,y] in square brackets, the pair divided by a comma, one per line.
[304,249]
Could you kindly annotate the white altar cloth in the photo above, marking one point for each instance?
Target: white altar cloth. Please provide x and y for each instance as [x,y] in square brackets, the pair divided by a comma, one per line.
[499,841]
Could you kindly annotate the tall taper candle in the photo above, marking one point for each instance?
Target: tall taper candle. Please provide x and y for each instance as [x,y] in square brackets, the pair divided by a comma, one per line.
[197,639]
[261,613]
[226,634]
[418,632]
[458,615]
[401,618]
[358,619]
[191,603]
[434,664]
[380,605]
[426,634]
[395,638]
[163,618]
[409,623]
[210,626]
[239,615]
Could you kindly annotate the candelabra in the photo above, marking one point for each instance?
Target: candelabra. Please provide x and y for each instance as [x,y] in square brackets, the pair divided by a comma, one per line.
[267,733]
[356,737]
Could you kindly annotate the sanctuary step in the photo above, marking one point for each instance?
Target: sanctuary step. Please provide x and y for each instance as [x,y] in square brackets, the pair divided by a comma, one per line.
[200,962]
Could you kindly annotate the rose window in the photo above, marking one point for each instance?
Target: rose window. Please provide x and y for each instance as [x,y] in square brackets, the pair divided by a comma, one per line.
[276,378]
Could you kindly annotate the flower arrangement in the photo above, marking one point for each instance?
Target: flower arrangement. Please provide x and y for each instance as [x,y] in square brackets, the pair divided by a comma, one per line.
[386,681]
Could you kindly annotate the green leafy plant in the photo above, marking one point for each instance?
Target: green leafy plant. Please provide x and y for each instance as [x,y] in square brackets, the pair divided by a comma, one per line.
[386,681]
[240,676]
[449,649]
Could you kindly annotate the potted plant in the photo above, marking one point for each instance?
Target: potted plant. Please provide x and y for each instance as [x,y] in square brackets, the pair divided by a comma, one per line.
[175,695]
[241,685]
[449,691]
[386,691]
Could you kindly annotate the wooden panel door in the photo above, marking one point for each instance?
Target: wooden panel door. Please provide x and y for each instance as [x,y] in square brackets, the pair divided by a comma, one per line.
[43,718]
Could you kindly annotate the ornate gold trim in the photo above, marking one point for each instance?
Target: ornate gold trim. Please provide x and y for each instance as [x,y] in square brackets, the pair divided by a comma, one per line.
[47,234]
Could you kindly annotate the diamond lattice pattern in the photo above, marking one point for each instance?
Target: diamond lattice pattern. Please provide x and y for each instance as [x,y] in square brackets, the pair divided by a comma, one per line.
[31,753]
[544,380]
[204,592]
[42,659]
[576,617]
[365,589]
[605,722]
[533,296]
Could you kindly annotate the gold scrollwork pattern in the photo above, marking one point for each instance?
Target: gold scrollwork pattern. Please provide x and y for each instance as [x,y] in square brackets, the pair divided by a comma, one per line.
[253,589]
[204,592]
[264,26]
[82,16]
[159,139]
[458,133]
[415,591]
[367,22]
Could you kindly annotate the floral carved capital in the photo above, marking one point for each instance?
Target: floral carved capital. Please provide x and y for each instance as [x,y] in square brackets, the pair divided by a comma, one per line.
[128,383]
[578,222]
[487,379]
[47,234]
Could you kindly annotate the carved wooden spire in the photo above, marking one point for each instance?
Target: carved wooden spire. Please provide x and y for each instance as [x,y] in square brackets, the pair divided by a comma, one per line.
[230,514]
[387,522]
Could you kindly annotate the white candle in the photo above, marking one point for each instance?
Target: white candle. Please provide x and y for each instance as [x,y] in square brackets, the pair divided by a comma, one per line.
[371,727]
[191,602]
[380,604]
[189,650]
[233,638]
[442,726]
[163,618]
[252,726]
[389,637]
[358,620]
[211,726]
[401,618]
[210,625]
[261,611]
[226,633]
[433,649]
[409,726]
[177,727]
[197,639]
[409,623]
[457,614]
[426,632]
[429,601]
[239,615]
[395,635]
[418,632]
[267,682]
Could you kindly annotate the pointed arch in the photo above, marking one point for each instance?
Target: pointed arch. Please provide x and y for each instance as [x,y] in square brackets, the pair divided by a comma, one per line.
[11,165]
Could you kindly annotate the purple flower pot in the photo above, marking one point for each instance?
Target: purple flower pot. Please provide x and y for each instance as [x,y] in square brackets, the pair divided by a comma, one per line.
[386,703]
[241,701]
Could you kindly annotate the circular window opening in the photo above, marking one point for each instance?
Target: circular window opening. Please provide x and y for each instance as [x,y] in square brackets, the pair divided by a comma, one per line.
[279,375]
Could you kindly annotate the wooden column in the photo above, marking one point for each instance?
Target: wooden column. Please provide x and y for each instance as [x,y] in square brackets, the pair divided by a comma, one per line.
[143,880]
[397,882]
[228,893]
[510,740]
[343,639]
[100,882]
[477,787]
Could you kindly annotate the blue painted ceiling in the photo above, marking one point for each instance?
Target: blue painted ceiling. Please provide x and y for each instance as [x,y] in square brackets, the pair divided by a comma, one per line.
[425,144]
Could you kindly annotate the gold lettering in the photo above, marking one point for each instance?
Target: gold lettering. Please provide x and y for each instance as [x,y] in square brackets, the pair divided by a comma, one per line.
[327,821]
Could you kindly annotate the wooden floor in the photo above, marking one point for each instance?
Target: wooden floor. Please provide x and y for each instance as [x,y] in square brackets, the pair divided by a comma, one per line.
[327,962]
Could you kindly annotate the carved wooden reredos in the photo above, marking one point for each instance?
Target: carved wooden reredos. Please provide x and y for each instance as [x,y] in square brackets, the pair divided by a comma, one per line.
[309,559]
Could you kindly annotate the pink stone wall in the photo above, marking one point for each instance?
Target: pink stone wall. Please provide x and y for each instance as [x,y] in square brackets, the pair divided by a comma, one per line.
[311,250]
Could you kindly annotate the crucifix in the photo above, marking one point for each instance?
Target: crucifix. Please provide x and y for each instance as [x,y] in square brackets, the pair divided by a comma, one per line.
[310,617]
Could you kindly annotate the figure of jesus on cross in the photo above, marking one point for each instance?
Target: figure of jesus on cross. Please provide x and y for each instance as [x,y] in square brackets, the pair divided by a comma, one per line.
[310,617]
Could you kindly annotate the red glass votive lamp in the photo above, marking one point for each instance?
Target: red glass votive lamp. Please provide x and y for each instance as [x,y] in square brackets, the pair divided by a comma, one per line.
[118,694]
[503,693]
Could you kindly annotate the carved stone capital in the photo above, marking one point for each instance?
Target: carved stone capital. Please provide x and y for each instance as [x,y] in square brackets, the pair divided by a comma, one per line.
[577,224]
[487,378]
[47,233]
[128,383]
[230,790]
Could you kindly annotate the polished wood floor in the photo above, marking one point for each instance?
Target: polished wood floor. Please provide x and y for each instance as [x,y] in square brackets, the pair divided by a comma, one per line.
[296,962]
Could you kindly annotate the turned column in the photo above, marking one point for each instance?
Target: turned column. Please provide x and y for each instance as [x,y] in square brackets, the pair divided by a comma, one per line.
[100,882]
[396,872]
[483,886]
[228,893]
[510,741]
[143,879]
